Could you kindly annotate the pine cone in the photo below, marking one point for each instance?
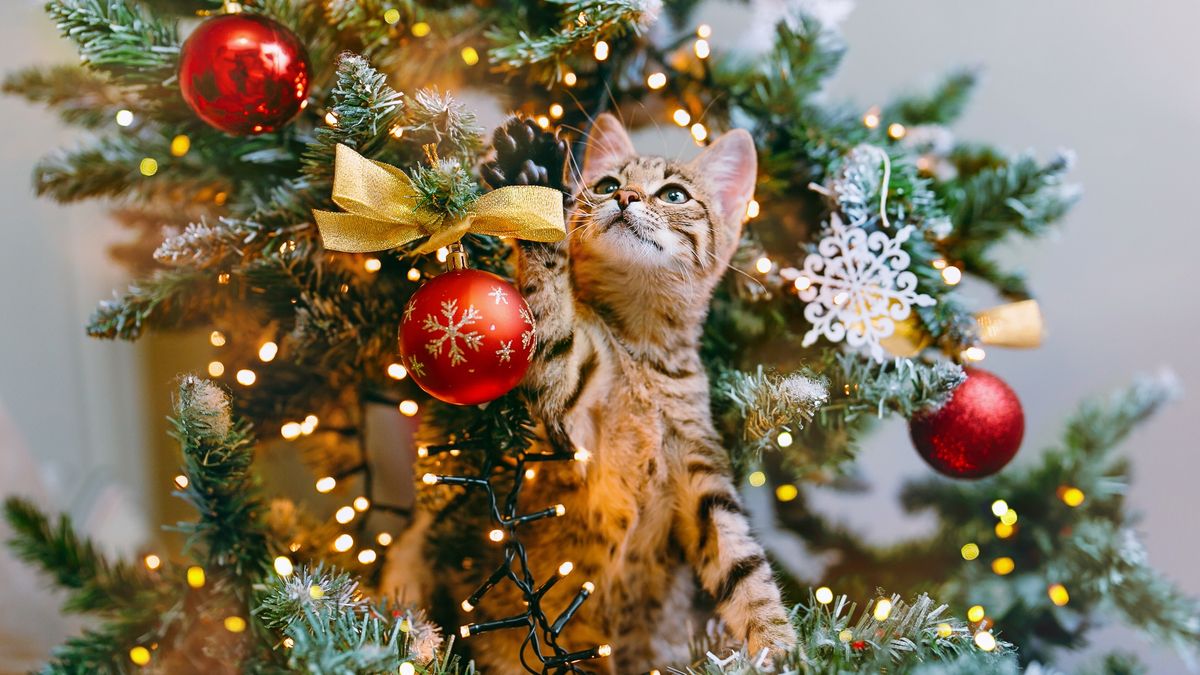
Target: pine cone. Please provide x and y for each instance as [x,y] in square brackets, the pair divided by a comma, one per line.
[526,154]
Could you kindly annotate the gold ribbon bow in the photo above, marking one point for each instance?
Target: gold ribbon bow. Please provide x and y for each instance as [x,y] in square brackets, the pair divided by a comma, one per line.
[381,211]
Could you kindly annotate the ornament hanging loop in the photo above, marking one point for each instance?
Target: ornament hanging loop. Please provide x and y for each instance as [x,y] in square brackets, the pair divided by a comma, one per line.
[883,184]
[457,258]
[231,7]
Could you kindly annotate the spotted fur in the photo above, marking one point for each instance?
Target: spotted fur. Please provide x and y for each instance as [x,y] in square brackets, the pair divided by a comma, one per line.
[617,371]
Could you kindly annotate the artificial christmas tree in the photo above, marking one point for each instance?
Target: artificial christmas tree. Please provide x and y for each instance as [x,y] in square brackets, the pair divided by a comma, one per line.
[862,226]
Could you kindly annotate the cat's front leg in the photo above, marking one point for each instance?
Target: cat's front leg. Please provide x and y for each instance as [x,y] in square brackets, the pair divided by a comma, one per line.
[565,356]
[731,564]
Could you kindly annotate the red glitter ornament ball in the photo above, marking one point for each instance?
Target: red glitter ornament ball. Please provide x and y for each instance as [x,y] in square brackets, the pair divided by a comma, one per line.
[467,337]
[976,433]
[244,73]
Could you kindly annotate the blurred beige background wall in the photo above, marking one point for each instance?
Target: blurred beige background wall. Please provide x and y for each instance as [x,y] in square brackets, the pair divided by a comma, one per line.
[1116,81]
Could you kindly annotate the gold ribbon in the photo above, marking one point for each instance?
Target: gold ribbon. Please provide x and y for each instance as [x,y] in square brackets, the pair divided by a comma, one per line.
[1017,325]
[381,211]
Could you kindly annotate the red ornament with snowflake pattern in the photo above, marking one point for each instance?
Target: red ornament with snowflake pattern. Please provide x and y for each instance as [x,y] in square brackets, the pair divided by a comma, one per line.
[467,337]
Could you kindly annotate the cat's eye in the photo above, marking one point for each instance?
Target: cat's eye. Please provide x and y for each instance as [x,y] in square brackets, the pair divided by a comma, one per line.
[673,194]
[606,186]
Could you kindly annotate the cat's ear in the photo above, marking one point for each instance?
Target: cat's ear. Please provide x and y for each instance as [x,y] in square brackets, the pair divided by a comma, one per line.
[730,166]
[608,145]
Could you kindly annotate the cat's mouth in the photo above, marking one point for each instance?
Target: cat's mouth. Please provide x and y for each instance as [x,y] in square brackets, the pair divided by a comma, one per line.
[623,223]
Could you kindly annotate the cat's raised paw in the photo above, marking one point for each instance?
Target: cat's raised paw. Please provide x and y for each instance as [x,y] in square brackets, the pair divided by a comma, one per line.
[526,154]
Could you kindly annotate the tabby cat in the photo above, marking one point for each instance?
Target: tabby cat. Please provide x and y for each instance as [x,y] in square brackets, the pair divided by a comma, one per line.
[617,372]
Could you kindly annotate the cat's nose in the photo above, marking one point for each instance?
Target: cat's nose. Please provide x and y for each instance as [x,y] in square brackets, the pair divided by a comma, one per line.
[626,197]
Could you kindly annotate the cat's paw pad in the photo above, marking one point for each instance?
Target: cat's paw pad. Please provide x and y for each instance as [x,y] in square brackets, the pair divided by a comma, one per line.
[526,154]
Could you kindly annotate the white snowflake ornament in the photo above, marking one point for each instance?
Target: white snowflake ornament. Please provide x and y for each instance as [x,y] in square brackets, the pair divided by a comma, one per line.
[857,286]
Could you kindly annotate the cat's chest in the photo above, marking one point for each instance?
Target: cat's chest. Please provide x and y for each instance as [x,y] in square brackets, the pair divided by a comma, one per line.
[630,408]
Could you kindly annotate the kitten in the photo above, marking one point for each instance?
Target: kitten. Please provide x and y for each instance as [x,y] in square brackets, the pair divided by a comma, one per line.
[619,313]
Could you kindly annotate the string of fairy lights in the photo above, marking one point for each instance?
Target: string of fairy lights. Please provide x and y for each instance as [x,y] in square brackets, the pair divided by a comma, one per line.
[541,632]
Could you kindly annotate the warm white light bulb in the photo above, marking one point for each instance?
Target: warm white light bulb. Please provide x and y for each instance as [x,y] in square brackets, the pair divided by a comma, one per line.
[883,609]
[267,352]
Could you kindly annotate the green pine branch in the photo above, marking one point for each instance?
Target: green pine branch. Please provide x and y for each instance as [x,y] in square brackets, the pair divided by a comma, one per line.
[1000,199]
[908,637]
[221,487]
[120,38]
[94,584]
[176,298]
[116,166]
[86,98]
[333,629]
[130,601]
[756,407]
[580,25]
[943,105]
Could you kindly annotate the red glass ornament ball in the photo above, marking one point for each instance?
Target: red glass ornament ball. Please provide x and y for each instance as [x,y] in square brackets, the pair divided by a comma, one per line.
[976,433]
[467,337]
[244,73]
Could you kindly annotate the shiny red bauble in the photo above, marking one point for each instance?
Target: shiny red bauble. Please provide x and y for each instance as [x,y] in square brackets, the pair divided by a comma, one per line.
[244,73]
[467,337]
[976,433]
